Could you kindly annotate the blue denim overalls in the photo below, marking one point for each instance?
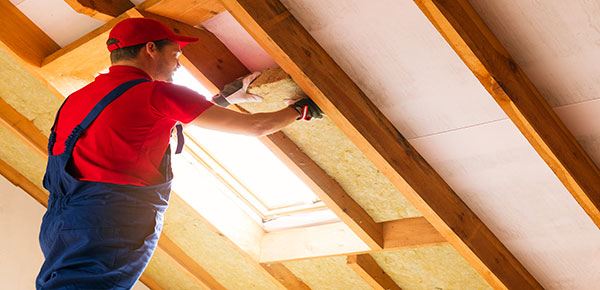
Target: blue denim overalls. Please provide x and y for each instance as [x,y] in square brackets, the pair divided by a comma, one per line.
[98,235]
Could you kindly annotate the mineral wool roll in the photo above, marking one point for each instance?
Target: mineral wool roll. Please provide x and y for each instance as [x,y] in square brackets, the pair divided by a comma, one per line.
[327,145]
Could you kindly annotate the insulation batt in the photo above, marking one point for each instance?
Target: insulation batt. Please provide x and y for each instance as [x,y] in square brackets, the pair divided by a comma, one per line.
[325,143]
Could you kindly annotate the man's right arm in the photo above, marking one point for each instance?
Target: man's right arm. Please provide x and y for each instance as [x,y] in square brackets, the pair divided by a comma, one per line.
[258,124]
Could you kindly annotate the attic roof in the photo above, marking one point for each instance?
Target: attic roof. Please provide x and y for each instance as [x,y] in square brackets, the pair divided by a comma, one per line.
[476,143]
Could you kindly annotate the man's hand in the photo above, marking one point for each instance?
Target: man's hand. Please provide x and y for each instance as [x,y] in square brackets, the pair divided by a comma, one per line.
[236,92]
[307,109]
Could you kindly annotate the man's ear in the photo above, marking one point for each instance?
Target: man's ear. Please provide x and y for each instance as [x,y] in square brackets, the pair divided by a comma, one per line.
[151,49]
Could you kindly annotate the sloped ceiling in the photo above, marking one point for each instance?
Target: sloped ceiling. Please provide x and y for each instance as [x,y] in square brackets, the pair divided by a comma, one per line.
[396,56]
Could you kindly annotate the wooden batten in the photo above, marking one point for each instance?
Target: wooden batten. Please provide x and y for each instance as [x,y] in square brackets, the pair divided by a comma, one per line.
[187,265]
[327,189]
[23,128]
[499,73]
[191,12]
[368,269]
[23,37]
[410,233]
[292,47]
[337,239]
[284,276]
[76,64]
[208,56]
[104,10]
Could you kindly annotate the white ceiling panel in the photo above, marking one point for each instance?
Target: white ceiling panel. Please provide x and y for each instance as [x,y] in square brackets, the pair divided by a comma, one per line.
[556,42]
[400,61]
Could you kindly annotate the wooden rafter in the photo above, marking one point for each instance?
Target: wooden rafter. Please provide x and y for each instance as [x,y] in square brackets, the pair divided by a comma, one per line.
[326,188]
[23,37]
[285,276]
[338,240]
[498,72]
[41,196]
[208,56]
[276,278]
[103,10]
[190,12]
[292,47]
[368,269]
[208,59]
[32,133]
[186,264]
[23,128]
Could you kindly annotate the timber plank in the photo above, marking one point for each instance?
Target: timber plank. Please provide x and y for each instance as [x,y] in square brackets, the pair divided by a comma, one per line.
[272,25]
[23,37]
[499,73]
[368,269]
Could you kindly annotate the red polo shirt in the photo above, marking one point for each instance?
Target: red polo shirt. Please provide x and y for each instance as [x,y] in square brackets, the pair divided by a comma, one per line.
[126,143]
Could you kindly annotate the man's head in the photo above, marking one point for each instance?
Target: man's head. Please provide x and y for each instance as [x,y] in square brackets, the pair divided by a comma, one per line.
[147,43]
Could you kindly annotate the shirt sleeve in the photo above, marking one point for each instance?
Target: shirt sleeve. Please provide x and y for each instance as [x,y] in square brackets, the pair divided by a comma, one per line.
[177,102]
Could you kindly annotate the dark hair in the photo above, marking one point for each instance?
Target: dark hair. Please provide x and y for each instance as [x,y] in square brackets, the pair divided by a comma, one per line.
[130,52]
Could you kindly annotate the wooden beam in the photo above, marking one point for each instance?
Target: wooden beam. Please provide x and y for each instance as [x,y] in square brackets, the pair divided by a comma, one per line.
[22,36]
[191,12]
[326,188]
[499,73]
[23,128]
[65,69]
[337,239]
[410,233]
[368,269]
[41,196]
[150,283]
[285,276]
[187,265]
[104,10]
[16,178]
[294,49]
[208,56]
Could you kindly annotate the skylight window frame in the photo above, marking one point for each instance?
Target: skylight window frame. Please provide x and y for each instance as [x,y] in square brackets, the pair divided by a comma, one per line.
[241,191]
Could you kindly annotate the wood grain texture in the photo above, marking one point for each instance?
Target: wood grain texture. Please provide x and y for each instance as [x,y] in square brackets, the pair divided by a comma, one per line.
[208,55]
[192,12]
[22,36]
[186,264]
[16,178]
[337,239]
[103,10]
[150,283]
[284,276]
[76,64]
[23,128]
[368,269]
[497,71]
[326,188]
[272,25]
[410,233]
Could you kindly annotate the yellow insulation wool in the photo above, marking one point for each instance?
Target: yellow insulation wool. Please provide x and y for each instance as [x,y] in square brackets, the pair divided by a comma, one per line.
[325,143]
[430,268]
[211,251]
[21,157]
[327,274]
[26,94]
[167,275]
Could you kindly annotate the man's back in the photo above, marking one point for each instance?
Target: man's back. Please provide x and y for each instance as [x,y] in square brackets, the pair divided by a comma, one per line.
[125,145]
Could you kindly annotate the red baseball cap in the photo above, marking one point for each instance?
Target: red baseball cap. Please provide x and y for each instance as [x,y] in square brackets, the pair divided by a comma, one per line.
[134,31]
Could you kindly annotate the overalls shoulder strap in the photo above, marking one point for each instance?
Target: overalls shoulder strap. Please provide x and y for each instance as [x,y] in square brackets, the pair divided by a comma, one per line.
[91,116]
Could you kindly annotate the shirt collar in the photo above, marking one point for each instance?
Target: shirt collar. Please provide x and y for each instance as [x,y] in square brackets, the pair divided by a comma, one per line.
[128,70]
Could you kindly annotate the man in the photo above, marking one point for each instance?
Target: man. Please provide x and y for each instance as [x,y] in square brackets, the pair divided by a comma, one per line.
[109,173]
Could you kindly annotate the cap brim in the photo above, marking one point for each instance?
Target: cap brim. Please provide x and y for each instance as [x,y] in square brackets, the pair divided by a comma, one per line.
[184,40]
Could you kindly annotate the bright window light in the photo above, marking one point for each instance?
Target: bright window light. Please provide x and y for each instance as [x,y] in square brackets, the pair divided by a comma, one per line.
[248,172]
